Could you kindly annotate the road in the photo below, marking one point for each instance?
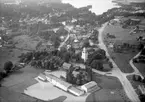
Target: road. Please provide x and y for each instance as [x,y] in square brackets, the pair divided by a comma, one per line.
[116,72]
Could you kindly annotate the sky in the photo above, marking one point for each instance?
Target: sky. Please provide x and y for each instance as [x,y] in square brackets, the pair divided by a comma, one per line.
[98,6]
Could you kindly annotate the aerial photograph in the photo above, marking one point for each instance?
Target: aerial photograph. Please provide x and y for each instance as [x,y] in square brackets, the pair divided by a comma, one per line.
[72,50]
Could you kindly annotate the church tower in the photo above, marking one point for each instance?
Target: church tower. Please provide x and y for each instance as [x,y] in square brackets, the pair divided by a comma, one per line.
[84,54]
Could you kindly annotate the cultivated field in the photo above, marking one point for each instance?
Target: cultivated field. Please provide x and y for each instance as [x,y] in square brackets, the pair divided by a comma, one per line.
[111,89]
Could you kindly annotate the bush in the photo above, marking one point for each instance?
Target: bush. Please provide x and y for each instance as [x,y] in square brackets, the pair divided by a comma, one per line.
[8,66]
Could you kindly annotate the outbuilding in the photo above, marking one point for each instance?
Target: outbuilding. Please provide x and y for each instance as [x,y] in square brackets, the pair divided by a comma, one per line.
[76,91]
[90,86]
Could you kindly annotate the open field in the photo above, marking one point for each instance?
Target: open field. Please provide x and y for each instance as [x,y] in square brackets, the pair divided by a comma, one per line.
[111,89]
[122,35]
[23,44]
[141,68]
[14,85]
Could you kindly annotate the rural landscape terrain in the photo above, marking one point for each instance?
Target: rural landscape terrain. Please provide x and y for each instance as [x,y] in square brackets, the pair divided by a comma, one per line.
[50,51]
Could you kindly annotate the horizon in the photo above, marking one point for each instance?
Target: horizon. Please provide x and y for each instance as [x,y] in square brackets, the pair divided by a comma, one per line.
[98,6]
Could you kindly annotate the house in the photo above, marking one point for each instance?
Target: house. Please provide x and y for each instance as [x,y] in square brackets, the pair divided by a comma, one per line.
[66,66]
[90,86]
[58,82]
[76,91]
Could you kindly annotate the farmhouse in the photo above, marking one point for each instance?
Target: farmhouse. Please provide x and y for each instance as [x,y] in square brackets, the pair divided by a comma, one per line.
[90,86]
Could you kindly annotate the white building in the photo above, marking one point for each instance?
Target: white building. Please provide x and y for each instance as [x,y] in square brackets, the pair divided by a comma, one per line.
[76,91]
[58,82]
[91,86]
[84,54]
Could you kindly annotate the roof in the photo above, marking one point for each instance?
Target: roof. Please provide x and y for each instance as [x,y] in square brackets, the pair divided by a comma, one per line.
[66,65]
[76,90]
[90,84]
[66,84]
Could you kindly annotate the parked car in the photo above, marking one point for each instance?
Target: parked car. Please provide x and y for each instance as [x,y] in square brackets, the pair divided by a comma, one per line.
[139,59]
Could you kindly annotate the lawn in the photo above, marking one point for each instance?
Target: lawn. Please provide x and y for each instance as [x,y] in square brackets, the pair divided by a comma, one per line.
[122,35]
[111,90]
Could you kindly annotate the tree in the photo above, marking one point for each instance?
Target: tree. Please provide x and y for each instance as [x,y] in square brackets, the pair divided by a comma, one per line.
[97,65]
[78,76]
[8,66]
[3,74]
[56,40]
[86,44]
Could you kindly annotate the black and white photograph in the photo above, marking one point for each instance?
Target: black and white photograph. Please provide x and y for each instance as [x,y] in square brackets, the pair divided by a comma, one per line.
[72,50]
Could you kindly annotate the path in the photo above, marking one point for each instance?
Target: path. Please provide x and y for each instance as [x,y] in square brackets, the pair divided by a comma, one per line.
[66,39]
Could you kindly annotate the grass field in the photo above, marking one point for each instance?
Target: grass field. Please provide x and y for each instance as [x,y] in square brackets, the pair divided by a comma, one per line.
[141,68]
[122,35]
[111,90]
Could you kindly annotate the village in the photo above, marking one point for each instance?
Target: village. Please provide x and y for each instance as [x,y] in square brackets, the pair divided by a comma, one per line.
[63,53]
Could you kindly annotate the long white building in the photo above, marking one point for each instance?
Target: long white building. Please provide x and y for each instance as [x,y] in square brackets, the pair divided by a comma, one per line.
[64,85]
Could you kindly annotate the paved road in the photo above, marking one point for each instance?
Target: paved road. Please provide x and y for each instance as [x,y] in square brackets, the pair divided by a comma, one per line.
[116,72]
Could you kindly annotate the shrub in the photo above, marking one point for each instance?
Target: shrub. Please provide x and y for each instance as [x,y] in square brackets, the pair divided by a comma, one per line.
[8,66]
